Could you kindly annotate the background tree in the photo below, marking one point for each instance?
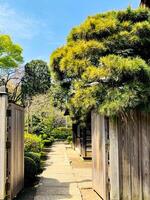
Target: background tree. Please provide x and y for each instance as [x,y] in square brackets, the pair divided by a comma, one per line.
[43,117]
[36,79]
[13,84]
[105,63]
[10,53]
[10,59]
[10,70]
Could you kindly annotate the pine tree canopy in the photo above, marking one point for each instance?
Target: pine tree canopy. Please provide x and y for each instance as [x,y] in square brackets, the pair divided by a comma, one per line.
[105,63]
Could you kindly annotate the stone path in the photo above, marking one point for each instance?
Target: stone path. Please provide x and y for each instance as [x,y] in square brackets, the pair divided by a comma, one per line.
[58,181]
[66,176]
[82,170]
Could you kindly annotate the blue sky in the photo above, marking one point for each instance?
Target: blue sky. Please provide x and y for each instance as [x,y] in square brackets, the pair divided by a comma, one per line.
[42,26]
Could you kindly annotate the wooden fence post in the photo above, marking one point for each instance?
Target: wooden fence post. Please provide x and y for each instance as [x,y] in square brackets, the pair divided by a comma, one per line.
[3,137]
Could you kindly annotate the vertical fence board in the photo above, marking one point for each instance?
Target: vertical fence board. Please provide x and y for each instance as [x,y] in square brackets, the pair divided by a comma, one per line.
[114,166]
[145,135]
[3,133]
[99,160]
[125,162]
[135,170]
[94,150]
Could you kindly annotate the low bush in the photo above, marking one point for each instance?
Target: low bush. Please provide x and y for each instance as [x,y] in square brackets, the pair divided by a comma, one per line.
[61,133]
[48,142]
[33,143]
[37,159]
[30,169]
[45,136]
[43,155]
[69,139]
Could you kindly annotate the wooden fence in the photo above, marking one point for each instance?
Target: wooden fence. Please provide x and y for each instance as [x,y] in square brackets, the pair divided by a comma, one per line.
[121,156]
[11,148]
[16,150]
[82,140]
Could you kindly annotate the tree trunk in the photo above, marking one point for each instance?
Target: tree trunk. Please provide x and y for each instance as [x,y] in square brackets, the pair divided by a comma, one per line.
[145,3]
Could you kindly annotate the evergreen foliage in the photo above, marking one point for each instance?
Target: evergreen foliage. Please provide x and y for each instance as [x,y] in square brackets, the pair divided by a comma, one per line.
[36,79]
[105,63]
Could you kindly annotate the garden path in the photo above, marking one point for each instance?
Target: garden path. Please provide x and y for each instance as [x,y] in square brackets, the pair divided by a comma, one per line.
[57,180]
[66,177]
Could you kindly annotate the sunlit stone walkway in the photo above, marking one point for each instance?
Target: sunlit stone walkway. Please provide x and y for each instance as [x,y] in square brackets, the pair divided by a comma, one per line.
[58,180]
[66,177]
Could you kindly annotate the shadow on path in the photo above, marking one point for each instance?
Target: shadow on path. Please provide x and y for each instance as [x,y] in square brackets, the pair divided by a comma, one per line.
[57,180]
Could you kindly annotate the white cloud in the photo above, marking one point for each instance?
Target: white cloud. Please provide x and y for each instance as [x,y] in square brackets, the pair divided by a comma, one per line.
[17,24]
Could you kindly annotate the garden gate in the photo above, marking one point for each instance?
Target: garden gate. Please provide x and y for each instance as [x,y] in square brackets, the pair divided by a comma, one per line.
[11,147]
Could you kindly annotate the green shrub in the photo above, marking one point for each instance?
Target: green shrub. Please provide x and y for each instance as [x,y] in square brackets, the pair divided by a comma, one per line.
[69,139]
[33,143]
[49,141]
[61,133]
[30,168]
[45,136]
[43,155]
[37,159]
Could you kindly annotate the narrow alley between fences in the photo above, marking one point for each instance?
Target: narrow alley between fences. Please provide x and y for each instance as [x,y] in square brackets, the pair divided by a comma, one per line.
[66,176]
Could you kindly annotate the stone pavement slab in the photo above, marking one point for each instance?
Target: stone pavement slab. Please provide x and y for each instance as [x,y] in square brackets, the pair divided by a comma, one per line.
[58,180]
[66,177]
[82,170]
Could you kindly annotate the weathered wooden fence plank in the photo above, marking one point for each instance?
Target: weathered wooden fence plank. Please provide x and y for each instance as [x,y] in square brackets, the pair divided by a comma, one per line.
[134,156]
[99,155]
[145,136]
[3,137]
[114,161]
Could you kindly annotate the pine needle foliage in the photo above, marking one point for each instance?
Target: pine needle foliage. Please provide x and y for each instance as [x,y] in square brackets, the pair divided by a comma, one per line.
[106,63]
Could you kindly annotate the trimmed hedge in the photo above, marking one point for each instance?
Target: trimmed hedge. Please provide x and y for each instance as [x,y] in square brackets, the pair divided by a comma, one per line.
[49,141]
[30,168]
[37,159]
[33,154]
[61,133]
[69,139]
